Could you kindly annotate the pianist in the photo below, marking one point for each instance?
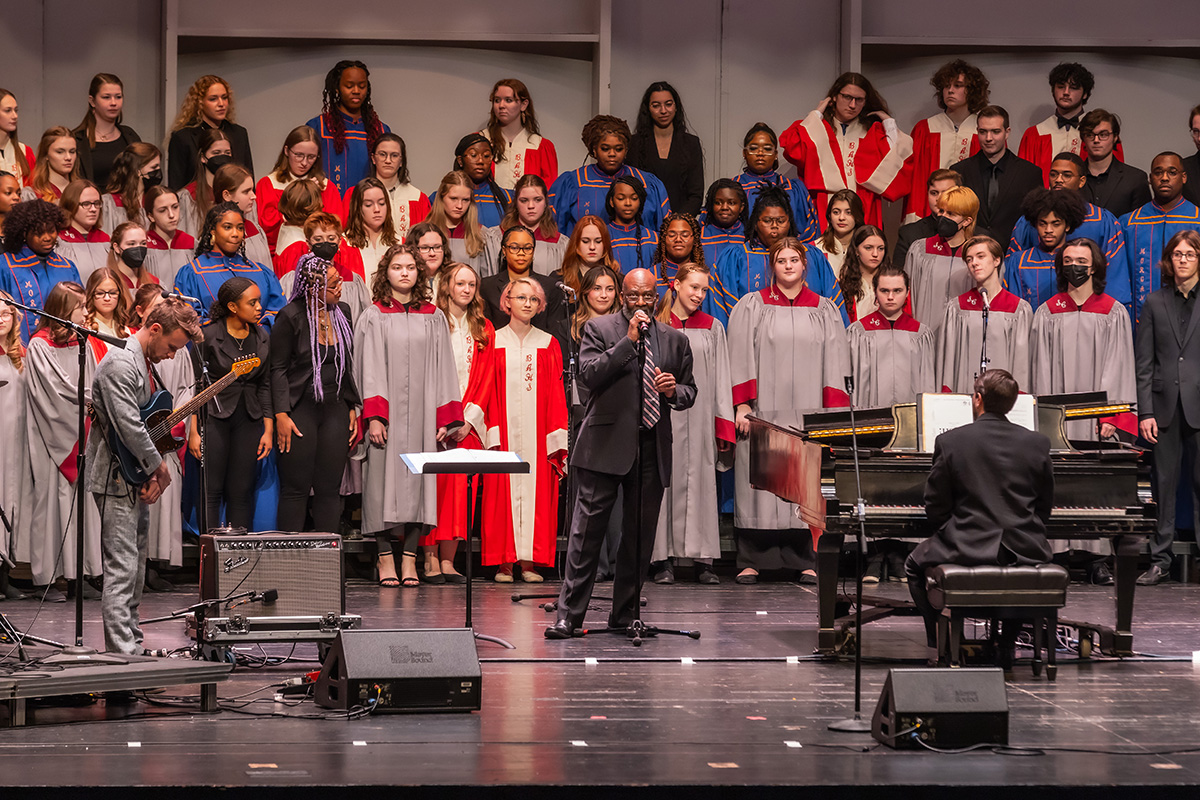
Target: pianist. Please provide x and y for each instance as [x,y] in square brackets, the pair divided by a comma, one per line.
[988,496]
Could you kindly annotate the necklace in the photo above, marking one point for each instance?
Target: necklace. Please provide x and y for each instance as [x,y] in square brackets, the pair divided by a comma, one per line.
[241,343]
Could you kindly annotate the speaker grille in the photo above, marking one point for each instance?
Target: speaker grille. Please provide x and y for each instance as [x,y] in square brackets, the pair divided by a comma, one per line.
[306,570]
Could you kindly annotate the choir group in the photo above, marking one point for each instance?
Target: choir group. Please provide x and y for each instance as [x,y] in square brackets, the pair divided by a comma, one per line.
[388,321]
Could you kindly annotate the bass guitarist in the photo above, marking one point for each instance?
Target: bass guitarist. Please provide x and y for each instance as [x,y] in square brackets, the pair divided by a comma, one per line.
[123,383]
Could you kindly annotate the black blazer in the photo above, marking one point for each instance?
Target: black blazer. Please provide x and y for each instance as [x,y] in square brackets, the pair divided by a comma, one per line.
[291,360]
[1122,189]
[1168,361]
[219,350]
[990,490]
[83,151]
[923,228]
[608,368]
[550,319]
[185,145]
[682,171]
[1191,189]
[1017,179]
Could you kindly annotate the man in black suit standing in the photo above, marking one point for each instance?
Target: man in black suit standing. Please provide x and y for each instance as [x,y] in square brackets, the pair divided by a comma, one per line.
[1111,184]
[610,440]
[999,179]
[988,496]
[1191,164]
[1167,353]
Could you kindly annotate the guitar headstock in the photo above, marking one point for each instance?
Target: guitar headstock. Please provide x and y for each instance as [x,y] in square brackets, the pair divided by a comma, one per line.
[245,365]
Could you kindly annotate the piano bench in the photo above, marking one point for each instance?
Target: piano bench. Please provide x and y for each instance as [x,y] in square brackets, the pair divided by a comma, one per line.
[993,592]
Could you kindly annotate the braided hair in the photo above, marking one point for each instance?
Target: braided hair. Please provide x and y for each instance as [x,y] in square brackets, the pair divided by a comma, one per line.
[204,242]
[465,144]
[603,125]
[710,199]
[697,254]
[331,100]
[312,279]
[640,191]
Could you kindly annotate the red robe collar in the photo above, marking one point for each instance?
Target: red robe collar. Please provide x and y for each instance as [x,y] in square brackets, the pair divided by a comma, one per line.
[697,321]
[878,322]
[807,298]
[391,307]
[1006,302]
[1063,303]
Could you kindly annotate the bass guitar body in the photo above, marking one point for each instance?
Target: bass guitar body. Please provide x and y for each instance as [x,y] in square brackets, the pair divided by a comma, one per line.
[154,412]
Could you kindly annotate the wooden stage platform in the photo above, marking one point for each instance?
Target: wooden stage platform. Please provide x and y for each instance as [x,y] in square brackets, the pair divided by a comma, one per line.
[746,716]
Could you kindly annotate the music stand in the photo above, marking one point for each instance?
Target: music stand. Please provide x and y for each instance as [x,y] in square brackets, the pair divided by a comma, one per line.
[470,463]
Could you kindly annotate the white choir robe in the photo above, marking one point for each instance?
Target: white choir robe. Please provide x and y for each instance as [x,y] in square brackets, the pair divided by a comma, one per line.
[408,203]
[16,481]
[163,258]
[528,153]
[404,368]
[688,522]
[166,516]
[526,413]
[960,340]
[891,360]
[372,253]
[45,526]
[937,273]
[547,254]
[88,252]
[937,144]
[786,358]
[1085,348]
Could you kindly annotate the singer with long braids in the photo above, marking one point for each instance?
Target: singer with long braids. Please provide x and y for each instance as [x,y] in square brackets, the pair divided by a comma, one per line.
[348,126]
[314,395]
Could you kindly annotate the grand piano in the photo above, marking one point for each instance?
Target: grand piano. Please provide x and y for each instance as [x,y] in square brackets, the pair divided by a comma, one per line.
[1102,491]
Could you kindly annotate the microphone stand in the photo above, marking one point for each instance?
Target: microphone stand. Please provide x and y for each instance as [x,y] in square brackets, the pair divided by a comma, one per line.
[857,724]
[78,653]
[983,357]
[202,382]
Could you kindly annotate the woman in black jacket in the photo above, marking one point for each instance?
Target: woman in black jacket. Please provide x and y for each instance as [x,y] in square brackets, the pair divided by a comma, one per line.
[101,137]
[662,146]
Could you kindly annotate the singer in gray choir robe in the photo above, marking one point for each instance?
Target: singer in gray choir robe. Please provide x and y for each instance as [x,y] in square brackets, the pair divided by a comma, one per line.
[938,274]
[166,516]
[787,356]
[960,340]
[15,479]
[87,254]
[891,360]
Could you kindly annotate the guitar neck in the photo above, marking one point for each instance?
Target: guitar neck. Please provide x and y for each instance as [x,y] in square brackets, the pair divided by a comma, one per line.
[185,410]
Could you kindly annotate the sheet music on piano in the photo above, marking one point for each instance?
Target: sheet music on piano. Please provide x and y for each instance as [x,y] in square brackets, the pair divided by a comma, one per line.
[941,412]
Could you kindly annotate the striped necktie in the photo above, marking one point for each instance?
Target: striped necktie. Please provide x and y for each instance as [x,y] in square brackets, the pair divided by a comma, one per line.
[650,408]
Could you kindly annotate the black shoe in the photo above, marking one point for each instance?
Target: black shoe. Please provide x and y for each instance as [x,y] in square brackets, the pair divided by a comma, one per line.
[1101,575]
[749,579]
[157,583]
[665,576]
[805,579]
[619,625]
[433,580]
[454,577]
[560,630]
[705,575]
[1153,576]
[874,571]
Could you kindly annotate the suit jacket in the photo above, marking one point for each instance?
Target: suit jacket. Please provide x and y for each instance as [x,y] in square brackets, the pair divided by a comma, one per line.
[608,435]
[1120,190]
[1017,179]
[84,151]
[220,350]
[988,496]
[1191,189]
[291,360]
[1168,361]
[922,229]
[120,387]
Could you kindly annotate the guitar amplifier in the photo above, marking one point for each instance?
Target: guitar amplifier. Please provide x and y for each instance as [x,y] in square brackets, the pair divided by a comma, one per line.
[304,568]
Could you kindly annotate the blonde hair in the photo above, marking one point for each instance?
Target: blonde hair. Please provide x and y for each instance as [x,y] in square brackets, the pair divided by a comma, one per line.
[12,342]
[472,231]
[668,301]
[189,110]
[40,182]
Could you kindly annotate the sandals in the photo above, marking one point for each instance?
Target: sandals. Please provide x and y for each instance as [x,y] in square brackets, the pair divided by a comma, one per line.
[390,583]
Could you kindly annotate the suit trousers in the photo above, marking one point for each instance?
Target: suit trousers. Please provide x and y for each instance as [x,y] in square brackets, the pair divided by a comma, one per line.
[124,547]
[596,496]
[1173,440]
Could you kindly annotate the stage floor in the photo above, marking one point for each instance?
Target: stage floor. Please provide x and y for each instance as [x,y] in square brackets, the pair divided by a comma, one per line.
[740,718]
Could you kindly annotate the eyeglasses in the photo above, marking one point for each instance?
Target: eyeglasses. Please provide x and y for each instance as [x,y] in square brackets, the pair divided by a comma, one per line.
[647,296]
[760,148]
[1099,136]
[524,298]
[108,292]
[1186,258]
[519,248]
[849,98]
[388,156]
[676,236]
[93,204]
[773,220]
[1159,172]
[429,248]
[304,158]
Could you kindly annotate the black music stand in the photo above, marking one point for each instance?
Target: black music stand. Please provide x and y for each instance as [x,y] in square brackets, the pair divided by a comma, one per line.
[470,463]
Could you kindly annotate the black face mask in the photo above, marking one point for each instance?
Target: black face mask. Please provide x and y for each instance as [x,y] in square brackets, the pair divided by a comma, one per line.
[325,250]
[134,257]
[1076,274]
[216,162]
[946,228]
[151,179]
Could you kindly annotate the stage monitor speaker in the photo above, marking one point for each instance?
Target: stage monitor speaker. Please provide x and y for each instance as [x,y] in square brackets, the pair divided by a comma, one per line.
[942,707]
[304,568]
[435,669]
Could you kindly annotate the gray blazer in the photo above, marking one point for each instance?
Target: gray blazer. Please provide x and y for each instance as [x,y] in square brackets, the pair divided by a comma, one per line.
[120,387]
[1168,361]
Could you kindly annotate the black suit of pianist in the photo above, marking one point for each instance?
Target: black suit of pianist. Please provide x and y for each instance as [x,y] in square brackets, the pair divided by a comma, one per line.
[988,496]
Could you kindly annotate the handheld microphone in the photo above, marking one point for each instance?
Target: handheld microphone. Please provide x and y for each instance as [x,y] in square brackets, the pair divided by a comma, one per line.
[849,384]
[567,290]
[643,326]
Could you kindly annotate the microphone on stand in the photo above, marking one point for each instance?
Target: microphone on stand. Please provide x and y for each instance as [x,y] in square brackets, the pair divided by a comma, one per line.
[182,296]
[850,385]
[987,303]
[567,290]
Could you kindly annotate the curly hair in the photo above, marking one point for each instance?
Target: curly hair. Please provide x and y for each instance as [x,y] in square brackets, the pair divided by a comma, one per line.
[356,231]
[126,180]
[973,77]
[204,241]
[331,100]
[1075,75]
[120,313]
[31,216]
[381,289]
[12,342]
[189,109]
[644,126]
[1067,204]
[603,125]
[769,197]
[528,116]
[697,254]
[851,279]
[874,101]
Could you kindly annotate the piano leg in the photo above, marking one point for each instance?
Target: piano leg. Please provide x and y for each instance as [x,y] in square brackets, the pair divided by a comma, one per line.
[1125,561]
[829,552]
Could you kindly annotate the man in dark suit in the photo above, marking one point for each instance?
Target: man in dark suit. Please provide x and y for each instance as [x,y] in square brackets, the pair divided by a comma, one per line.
[1191,164]
[1167,353]
[999,179]
[988,496]
[610,440]
[1115,186]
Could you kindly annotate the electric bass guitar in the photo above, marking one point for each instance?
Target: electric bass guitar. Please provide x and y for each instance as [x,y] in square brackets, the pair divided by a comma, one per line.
[159,420]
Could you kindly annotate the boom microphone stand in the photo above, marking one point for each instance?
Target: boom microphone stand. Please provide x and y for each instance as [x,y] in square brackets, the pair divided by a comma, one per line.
[857,724]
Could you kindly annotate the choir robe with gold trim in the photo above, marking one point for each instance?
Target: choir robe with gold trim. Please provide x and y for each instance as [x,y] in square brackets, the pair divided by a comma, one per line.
[548,253]
[1147,231]
[166,516]
[786,358]
[937,144]
[687,523]
[269,191]
[937,273]
[409,206]
[526,413]
[112,213]
[527,154]
[87,251]
[580,192]
[960,340]
[633,246]
[163,258]
[491,203]
[404,368]
[46,523]
[255,242]
[891,360]
[28,277]
[1042,142]
[1031,276]
[808,226]
[16,481]
[860,158]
